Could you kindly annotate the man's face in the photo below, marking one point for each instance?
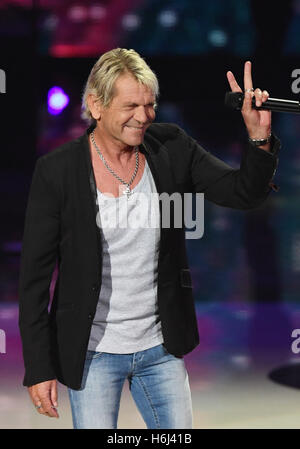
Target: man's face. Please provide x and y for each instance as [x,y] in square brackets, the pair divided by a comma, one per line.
[129,114]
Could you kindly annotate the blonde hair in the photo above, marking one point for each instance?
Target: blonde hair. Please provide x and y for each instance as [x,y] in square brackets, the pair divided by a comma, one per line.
[107,69]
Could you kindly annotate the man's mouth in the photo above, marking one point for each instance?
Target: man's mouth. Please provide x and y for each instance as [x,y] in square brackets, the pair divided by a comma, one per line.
[134,127]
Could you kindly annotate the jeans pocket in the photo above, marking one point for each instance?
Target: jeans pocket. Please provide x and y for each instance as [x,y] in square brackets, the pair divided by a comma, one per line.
[93,354]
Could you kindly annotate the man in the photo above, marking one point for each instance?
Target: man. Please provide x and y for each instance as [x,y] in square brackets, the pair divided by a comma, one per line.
[123,304]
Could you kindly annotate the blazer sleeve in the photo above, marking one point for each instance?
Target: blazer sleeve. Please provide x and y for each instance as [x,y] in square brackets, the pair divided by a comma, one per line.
[243,188]
[38,257]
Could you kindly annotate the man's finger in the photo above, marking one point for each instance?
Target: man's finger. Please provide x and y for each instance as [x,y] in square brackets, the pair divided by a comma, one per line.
[48,407]
[35,399]
[265,95]
[247,104]
[41,411]
[38,405]
[53,394]
[232,81]
[258,97]
[247,76]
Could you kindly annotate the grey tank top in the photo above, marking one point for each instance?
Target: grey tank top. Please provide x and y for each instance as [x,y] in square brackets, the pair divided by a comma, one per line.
[126,318]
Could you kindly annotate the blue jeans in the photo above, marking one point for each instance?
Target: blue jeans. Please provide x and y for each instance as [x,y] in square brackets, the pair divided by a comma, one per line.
[158,382]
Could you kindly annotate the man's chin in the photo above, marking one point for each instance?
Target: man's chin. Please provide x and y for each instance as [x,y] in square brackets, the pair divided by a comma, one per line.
[136,141]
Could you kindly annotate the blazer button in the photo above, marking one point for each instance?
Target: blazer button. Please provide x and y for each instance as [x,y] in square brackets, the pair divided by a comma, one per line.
[94,287]
[90,316]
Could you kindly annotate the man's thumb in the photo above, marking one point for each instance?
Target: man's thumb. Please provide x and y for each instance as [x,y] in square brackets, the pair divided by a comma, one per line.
[54,393]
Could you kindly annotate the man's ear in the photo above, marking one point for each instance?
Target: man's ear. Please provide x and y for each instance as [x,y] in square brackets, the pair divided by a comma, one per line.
[94,106]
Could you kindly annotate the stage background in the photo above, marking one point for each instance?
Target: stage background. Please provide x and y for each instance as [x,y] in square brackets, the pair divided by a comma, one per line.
[246,267]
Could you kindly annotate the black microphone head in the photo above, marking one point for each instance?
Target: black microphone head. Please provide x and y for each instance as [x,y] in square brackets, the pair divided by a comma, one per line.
[234,100]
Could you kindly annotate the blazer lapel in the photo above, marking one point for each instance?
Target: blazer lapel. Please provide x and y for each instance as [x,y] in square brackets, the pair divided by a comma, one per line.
[89,173]
[159,163]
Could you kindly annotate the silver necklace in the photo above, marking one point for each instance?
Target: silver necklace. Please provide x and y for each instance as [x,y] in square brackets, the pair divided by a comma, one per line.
[127,190]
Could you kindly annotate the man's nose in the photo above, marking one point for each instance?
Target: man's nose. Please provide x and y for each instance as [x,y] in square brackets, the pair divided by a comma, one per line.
[141,115]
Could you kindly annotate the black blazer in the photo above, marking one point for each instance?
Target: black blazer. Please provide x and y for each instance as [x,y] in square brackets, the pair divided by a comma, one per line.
[60,225]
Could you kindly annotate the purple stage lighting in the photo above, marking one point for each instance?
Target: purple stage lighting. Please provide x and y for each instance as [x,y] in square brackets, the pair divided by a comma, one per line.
[57,100]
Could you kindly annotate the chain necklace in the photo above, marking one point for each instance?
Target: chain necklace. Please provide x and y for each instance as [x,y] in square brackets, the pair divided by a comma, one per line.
[127,190]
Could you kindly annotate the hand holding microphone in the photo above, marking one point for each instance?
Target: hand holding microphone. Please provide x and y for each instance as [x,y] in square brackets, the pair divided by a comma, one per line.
[235,100]
[257,121]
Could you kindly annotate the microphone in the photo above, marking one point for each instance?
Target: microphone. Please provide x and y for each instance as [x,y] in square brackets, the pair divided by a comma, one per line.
[235,100]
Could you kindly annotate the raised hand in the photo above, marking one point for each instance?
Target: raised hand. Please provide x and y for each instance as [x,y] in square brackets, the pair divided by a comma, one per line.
[258,123]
